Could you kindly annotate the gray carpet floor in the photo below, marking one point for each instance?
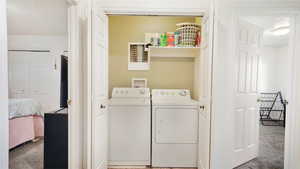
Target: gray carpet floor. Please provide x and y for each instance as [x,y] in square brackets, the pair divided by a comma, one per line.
[271,149]
[27,156]
[271,152]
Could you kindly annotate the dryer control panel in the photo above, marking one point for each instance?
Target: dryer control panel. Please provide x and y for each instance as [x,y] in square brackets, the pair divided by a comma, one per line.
[131,93]
[171,94]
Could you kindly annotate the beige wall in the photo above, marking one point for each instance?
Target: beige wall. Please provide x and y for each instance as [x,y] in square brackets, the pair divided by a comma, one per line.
[163,73]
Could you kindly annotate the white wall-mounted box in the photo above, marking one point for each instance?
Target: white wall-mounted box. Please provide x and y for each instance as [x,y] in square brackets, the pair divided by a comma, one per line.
[139,83]
[138,58]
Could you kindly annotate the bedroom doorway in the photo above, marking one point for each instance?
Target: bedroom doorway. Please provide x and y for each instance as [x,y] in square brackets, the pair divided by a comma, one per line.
[37,81]
[270,81]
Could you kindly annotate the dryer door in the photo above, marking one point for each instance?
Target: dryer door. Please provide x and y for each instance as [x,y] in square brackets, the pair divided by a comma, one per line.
[176,125]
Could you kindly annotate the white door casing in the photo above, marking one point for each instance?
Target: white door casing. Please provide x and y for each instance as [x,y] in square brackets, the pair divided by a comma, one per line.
[99,27]
[222,87]
[295,161]
[246,113]
[292,146]
[4,141]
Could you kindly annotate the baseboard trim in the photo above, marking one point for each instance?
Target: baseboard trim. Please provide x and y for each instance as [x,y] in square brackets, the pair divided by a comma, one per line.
[200,166]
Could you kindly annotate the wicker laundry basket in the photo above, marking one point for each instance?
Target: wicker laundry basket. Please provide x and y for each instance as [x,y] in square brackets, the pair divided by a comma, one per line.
[188,33]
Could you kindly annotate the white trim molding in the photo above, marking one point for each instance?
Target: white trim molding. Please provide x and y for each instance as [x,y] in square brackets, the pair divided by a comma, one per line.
[75,111]
[155,12]
[292,148]
[267,5]
[4,148]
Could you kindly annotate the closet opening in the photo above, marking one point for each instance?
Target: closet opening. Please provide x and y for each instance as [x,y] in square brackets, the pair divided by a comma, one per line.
[136,51]
[271,78]
[155,84]
[38,84]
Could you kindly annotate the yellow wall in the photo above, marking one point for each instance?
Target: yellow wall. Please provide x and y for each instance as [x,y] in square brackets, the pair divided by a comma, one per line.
[163,73]
[198,20]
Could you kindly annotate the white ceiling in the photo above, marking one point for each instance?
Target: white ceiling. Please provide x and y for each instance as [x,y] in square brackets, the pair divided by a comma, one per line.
[267,22]
[37,17]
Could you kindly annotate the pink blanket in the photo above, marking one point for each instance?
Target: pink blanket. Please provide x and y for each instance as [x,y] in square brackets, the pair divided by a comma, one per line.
[24,129]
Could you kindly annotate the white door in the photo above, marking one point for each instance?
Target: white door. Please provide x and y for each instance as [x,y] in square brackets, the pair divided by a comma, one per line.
[99,24]
[246,113]
[205,63]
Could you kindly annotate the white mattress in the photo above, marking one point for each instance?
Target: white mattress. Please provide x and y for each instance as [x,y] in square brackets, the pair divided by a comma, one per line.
[24,107]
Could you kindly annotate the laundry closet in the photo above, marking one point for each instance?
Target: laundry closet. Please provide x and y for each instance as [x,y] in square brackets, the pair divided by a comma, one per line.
[155,83]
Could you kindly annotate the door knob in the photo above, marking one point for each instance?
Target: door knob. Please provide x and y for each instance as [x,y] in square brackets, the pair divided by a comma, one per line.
[102,106]
[202,107]
[69,102]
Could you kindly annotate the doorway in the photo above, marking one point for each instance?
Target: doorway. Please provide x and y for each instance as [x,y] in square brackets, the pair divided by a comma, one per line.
[158,66]
[37,77]
[99,117]
[274,79]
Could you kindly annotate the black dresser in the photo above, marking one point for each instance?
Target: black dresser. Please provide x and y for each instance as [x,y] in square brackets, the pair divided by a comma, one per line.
[56,141]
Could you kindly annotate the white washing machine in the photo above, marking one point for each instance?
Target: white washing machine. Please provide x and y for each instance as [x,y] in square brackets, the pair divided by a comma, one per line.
[174,128]
[129,127]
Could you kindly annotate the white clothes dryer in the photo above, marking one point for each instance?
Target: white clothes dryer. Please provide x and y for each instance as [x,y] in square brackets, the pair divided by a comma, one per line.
[174,128]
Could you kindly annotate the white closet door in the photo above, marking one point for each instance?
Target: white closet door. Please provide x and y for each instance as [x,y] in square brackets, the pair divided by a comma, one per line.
[44,80]
[18,75]
[99,89]
[18,81]
[246,114]
[205,63]
[32,75]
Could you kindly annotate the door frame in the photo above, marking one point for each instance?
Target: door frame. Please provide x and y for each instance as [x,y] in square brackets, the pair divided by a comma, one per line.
[75,110]
[75,145]
[264,9]
[4,147]
[125,11]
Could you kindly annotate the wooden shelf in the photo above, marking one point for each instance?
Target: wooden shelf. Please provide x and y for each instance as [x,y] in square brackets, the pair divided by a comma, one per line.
[173,52]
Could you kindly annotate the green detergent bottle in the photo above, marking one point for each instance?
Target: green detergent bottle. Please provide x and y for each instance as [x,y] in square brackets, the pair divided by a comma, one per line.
[163,40]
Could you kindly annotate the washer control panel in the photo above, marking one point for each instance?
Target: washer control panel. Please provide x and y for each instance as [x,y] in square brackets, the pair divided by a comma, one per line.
[131,92]
[171,93]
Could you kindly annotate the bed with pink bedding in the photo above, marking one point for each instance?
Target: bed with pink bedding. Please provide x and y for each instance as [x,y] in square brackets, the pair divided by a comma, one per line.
[26,121]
